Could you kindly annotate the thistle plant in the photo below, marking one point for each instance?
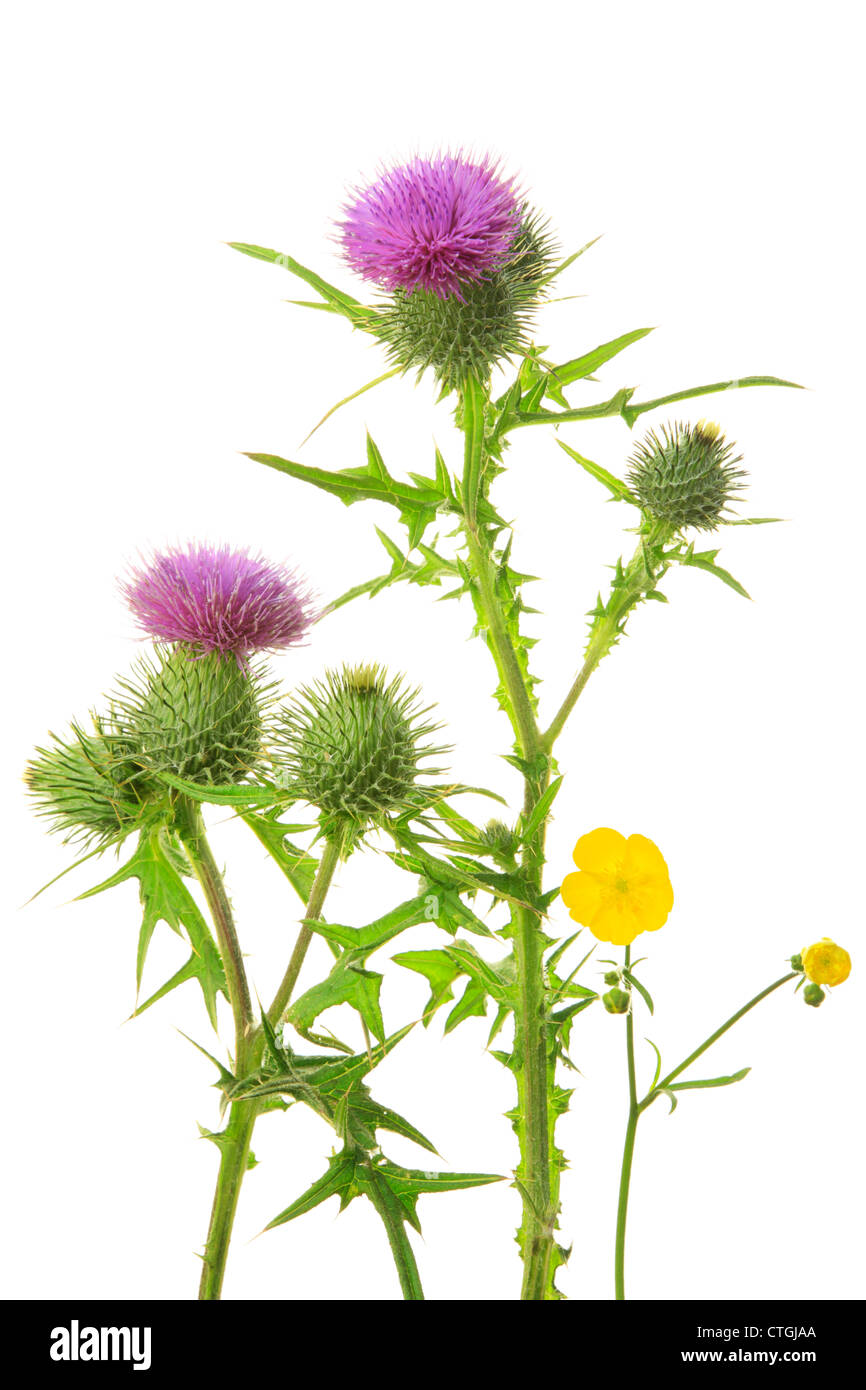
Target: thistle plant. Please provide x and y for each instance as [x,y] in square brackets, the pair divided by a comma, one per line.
[459,264]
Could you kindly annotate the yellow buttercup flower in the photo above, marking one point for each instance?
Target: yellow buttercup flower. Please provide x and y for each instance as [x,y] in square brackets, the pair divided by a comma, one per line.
[825,963]
[623,887]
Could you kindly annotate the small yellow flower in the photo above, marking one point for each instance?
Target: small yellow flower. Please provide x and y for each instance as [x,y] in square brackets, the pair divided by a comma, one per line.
[825,963]
[623,887]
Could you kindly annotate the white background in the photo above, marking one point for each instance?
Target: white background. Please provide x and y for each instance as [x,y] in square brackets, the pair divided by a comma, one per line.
[718,148]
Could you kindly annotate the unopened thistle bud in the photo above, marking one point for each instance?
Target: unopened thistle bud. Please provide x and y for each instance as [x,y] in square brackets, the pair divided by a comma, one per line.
[686,475]
[616,1001]
[462,257]
[88,787]
[196,717]
[351,745]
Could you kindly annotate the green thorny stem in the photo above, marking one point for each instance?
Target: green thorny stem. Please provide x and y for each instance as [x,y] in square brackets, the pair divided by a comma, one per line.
[636,1109]
[234,1141]
[538,1171]
[632,584]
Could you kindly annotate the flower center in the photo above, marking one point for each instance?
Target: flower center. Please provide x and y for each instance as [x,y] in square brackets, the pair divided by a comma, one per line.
[621,885]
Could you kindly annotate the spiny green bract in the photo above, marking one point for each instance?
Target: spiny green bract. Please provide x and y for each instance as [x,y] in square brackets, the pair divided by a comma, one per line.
[197,717]
[350,745]
[467,335]
[686,475]
[88,787]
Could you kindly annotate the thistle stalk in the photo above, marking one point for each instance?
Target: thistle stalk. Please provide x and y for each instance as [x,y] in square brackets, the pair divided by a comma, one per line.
[235,1139]
[536,1237]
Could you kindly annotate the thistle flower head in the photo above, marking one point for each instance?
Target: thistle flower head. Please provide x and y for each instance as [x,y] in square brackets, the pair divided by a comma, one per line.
[89,787]
[220,600]
[351,745]
[195,716]
[686,475]
[434,224]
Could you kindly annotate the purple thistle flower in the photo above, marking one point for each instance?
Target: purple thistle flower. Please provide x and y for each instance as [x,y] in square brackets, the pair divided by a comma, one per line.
[219,600]
[432,223]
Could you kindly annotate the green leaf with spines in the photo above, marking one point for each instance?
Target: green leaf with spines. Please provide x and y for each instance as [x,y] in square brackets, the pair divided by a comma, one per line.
[580,367]
[165,898]
[471,1004]
[706,560]
[233,794]
[438,969]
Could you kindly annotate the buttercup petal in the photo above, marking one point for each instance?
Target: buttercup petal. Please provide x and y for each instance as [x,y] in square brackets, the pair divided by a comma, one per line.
[581,895]
[644,857]
[657,900]
[602,851]
[615,922]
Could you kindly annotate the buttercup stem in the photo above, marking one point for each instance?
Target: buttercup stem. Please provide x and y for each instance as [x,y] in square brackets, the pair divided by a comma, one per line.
[636,1108]
[628,1149]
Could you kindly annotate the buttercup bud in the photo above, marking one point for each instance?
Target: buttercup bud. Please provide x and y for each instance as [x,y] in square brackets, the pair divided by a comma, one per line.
[813,995]
[616,1001]
[611,977]
[797,963]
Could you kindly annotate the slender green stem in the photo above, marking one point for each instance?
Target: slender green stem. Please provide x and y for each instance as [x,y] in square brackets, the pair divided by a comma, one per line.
[192,833]
[637,1107]
[234,1141]
[537,1184]
[714,1037]
[628,1150]
[319,891]
[637,580]
[395,1229]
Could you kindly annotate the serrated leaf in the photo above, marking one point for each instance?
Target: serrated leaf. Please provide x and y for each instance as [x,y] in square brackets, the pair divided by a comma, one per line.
[705,561]
[348,983]
[338,1181]
[438,969]
[358,484]
[298,866]
[165,898]
[615,486]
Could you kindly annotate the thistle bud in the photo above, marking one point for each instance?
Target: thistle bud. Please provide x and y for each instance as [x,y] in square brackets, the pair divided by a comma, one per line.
[501,840]
[88,787]
[686,475]
[350,745]
[616,1001]
[197,717]
[813,995]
